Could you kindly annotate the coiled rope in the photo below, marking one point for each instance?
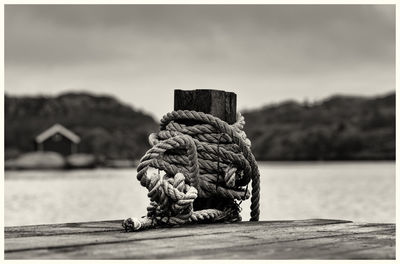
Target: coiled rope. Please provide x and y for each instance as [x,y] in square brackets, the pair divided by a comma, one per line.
[197,170]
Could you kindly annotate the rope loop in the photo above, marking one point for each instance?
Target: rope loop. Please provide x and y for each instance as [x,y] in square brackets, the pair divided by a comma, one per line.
[197,170]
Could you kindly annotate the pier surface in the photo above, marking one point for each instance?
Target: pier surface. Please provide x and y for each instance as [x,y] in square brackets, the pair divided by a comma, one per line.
[305,239]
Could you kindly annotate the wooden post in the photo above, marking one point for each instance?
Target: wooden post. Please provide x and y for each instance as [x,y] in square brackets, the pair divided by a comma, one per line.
[215,102]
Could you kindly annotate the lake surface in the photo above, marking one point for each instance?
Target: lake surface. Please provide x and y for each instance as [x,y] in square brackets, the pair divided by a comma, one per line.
[357,191]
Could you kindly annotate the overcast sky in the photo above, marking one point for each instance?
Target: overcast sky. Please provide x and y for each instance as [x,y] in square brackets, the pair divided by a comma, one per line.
[140,54]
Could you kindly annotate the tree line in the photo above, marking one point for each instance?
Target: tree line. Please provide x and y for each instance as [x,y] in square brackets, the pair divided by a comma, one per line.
[337,128]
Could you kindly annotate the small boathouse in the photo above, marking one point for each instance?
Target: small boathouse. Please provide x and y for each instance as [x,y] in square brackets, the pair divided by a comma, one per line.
[58,139]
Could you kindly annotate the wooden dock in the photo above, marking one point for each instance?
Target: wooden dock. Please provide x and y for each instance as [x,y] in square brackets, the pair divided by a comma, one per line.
[306,239]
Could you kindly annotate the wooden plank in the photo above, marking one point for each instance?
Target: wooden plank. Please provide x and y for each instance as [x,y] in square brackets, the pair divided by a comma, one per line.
[257,240]
[190,247]
[115,225]
[73,238]
[58,229]
[215,102]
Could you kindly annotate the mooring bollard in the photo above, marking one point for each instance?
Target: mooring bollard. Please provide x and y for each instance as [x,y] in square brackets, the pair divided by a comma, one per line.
[218,103]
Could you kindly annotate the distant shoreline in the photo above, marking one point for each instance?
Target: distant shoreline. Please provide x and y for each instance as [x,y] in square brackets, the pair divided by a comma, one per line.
[261,162]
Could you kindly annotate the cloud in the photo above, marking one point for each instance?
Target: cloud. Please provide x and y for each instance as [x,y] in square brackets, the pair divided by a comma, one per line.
[280,51]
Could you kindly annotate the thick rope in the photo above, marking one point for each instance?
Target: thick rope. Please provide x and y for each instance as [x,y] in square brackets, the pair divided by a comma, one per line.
[197,156]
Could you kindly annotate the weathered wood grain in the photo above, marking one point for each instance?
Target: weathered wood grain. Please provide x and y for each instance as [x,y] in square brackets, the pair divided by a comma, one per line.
[59,229]
[215,102]
[307,239]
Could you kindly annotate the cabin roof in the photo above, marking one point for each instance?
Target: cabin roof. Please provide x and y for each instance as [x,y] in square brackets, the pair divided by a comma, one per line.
[57,128]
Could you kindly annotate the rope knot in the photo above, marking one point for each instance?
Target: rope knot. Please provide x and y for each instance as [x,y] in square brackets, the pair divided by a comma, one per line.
[181,195]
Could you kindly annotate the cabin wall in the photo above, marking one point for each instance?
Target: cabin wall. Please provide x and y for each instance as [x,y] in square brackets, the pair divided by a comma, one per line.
[58,143]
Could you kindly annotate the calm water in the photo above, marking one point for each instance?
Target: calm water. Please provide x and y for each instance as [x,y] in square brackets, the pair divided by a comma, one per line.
[358,191]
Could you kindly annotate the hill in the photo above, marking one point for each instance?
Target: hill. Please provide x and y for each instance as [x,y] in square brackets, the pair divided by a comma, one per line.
[338,128]
[107,127]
